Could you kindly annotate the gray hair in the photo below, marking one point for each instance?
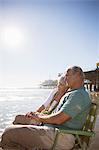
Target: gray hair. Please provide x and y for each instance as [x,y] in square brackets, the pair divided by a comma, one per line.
[77,69]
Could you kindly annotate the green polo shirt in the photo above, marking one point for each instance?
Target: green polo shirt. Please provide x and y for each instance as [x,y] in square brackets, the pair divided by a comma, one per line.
[76,104]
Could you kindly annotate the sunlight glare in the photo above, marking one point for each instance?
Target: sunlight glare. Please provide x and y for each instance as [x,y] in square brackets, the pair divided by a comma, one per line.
[12,38]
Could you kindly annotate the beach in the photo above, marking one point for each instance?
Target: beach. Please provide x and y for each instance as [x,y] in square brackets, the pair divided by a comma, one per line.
[95,140]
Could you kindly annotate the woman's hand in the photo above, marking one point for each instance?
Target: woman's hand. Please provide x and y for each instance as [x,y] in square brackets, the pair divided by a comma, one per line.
[33,115]
[29,114]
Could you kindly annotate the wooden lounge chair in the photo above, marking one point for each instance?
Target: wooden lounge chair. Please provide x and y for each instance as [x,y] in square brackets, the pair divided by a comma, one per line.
[83,137]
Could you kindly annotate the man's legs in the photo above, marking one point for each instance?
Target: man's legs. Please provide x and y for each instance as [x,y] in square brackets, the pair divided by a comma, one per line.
[22,119]
[27,137]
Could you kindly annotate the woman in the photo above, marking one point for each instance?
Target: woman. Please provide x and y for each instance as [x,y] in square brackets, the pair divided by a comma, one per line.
[54,97]
[48,107]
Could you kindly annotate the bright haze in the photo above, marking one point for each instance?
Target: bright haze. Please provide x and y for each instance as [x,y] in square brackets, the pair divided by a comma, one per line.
[41,38]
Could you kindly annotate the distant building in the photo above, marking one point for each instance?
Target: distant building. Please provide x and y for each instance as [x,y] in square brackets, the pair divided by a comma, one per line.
[93,78]
[49,84]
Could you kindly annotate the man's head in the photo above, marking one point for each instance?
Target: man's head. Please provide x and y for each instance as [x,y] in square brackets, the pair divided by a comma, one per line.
[75,77]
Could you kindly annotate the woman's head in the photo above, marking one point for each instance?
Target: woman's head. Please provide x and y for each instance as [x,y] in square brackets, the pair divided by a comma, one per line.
[61,83]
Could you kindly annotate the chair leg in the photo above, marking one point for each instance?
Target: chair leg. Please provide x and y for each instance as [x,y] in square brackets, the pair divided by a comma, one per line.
[79,141]
[83,146]
[55,140]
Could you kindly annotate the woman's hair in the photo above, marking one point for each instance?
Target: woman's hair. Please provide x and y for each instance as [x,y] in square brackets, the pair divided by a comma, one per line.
[61,79]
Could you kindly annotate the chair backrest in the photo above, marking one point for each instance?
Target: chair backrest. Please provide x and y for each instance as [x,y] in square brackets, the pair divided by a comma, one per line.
[90,123]
[91,118]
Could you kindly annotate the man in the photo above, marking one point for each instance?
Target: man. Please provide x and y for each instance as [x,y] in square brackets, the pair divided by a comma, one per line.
[70,113]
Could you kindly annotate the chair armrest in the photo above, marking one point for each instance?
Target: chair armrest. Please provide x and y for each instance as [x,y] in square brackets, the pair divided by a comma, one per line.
[77,132]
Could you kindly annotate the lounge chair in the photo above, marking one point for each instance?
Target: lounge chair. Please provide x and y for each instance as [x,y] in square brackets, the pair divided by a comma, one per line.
[83,137]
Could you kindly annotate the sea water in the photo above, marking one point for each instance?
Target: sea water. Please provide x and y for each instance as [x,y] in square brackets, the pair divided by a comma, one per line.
[15,101]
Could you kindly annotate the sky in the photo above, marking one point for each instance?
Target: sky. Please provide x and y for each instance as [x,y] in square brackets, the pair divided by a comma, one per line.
[41,38]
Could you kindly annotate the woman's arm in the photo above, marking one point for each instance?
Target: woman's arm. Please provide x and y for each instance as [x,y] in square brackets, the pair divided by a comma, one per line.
[47,101]
[41,108]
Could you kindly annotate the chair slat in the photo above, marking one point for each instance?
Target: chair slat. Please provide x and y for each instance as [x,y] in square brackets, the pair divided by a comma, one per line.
[90,121]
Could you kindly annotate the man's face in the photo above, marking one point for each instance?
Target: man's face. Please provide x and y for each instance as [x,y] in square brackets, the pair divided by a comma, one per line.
[70,78]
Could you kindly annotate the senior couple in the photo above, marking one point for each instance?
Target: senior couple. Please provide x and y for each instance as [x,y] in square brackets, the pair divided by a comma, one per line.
[66,108]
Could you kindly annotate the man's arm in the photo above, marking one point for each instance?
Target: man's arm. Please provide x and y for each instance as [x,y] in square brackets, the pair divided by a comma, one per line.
[56,118]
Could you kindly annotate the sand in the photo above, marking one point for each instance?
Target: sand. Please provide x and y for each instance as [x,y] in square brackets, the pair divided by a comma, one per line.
[95,141]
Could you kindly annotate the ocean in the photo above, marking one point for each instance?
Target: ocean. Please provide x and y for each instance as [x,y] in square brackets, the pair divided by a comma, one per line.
[15,101]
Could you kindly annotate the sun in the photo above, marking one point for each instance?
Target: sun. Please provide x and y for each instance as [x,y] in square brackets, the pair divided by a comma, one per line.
[12,37]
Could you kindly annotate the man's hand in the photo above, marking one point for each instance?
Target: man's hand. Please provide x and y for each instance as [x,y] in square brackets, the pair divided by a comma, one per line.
[56,118]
